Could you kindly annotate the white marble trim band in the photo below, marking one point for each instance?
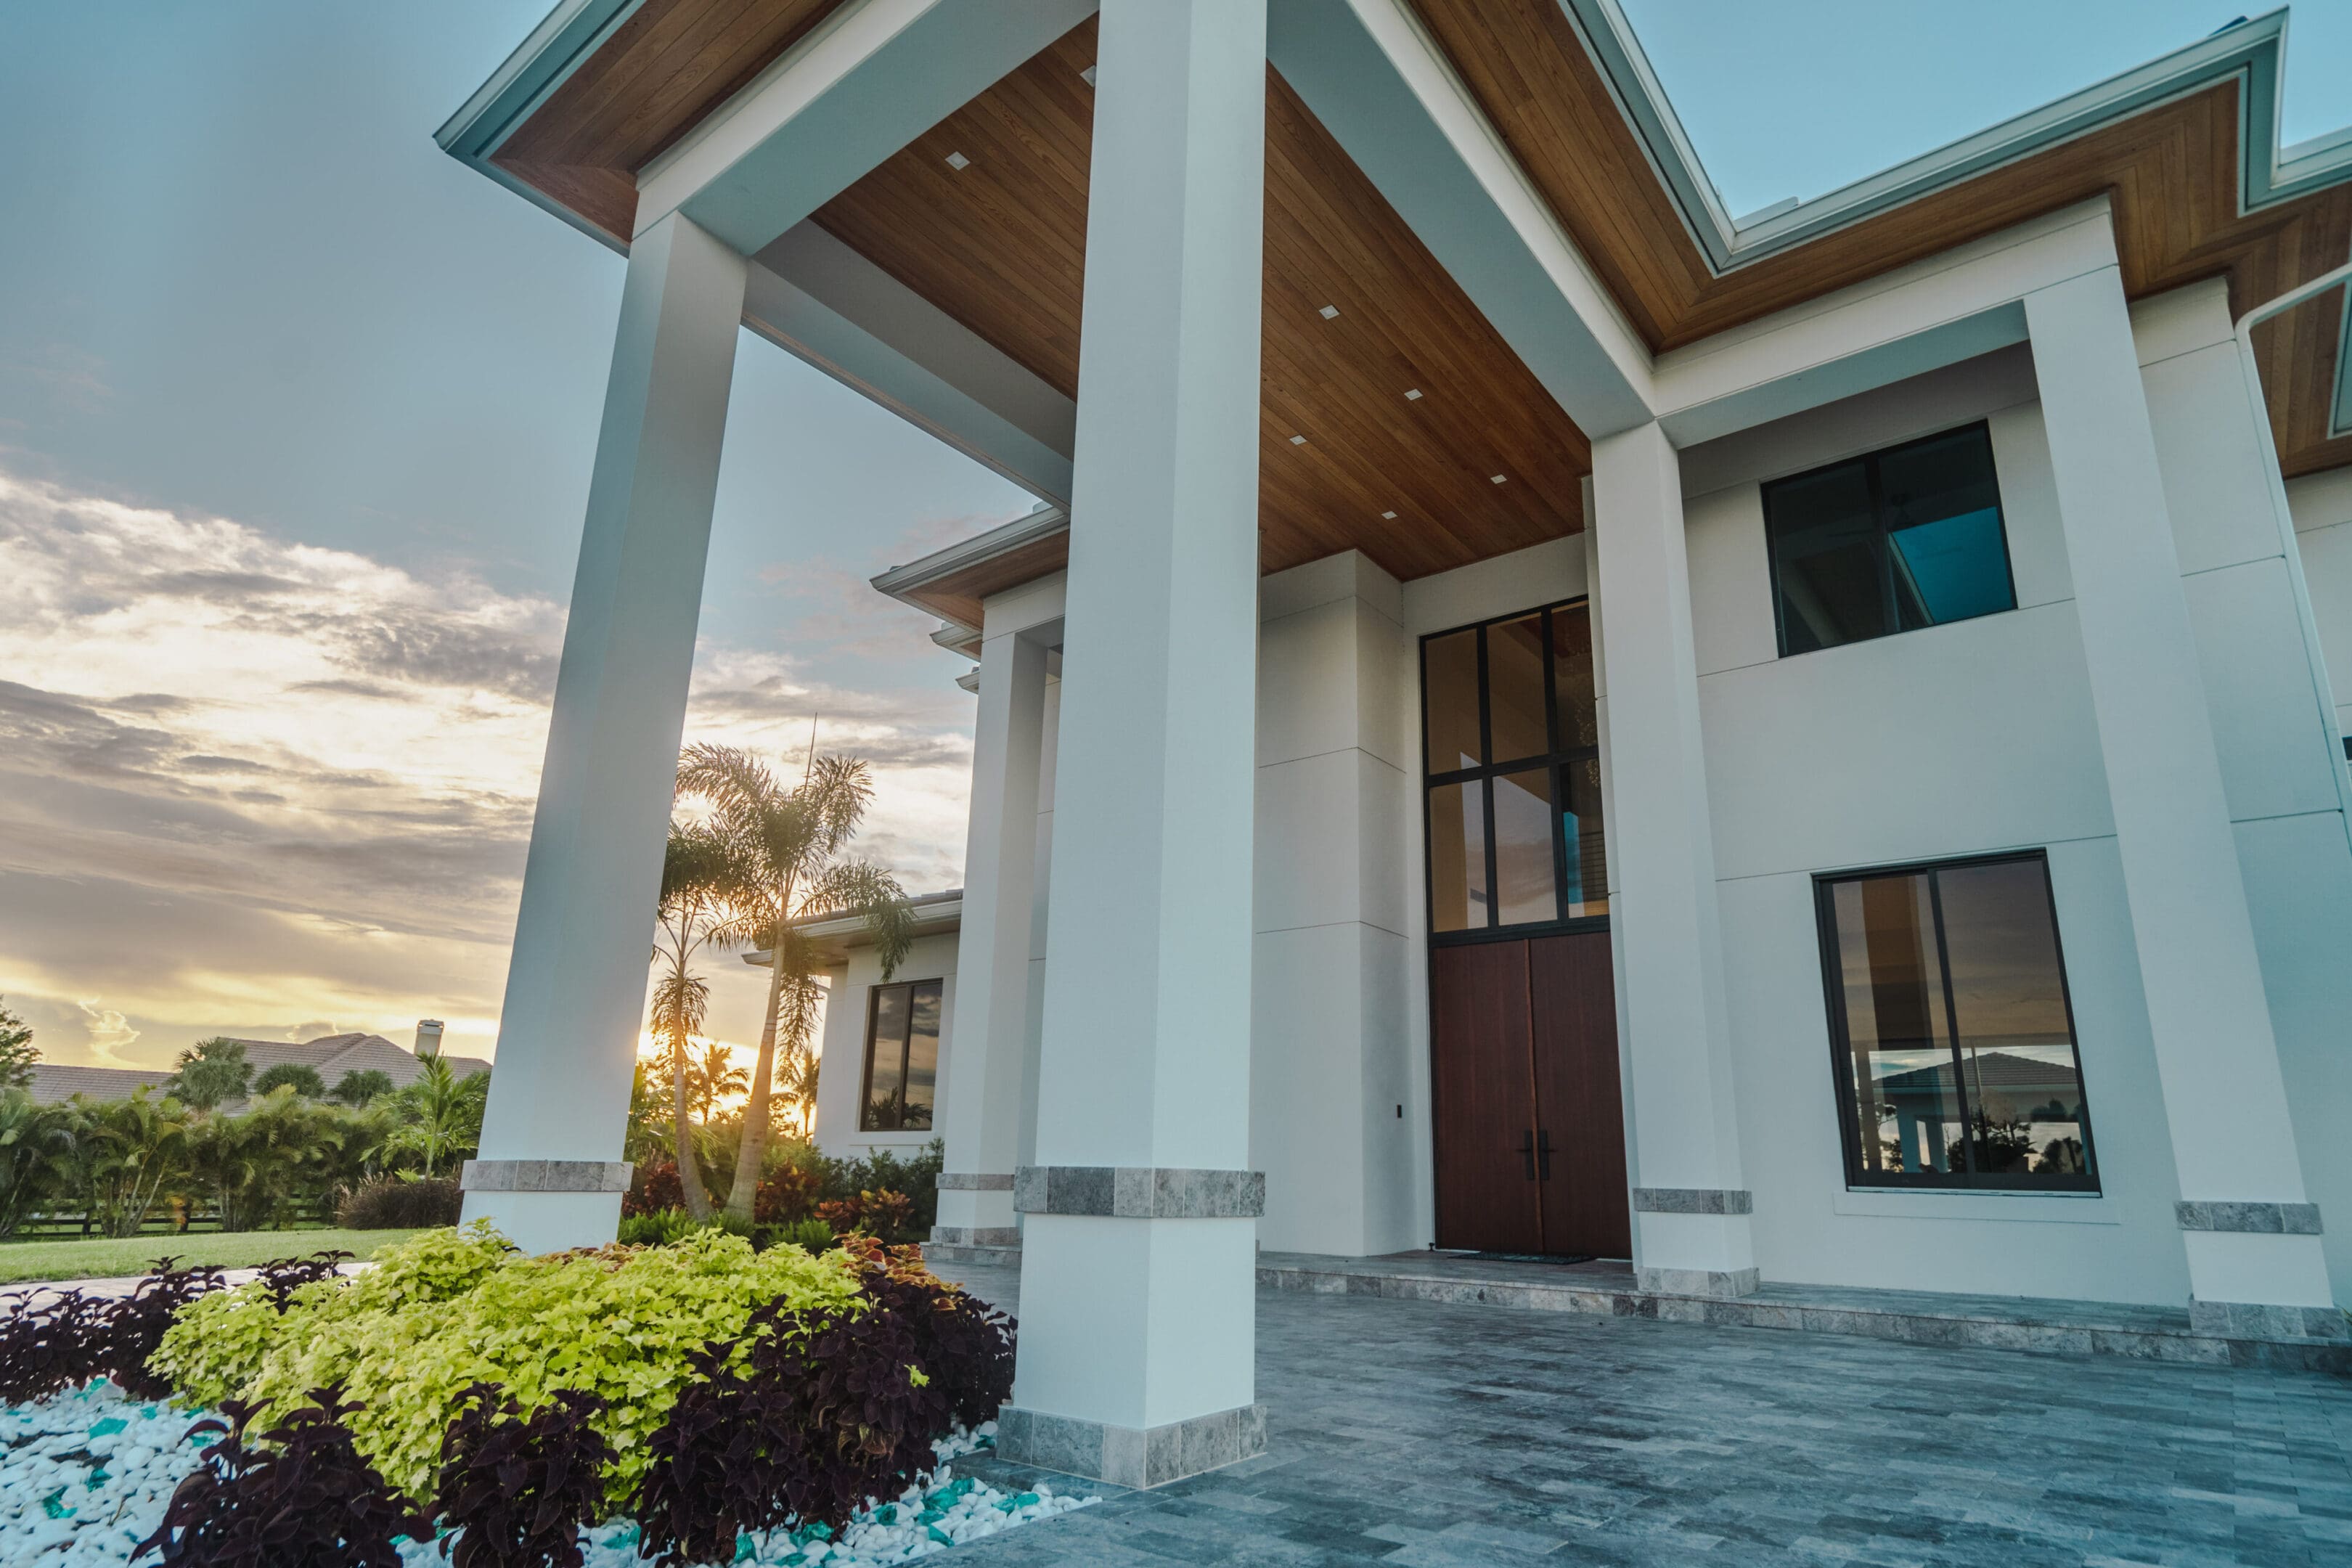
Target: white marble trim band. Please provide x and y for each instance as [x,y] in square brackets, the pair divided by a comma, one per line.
[546,1176]
[1693,1200]
[1139,1192]
[2260,1219]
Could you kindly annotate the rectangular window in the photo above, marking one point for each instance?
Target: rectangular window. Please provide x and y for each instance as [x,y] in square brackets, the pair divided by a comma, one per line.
[1511,743]
[902,1056]
[1953,1037]
[1898,540]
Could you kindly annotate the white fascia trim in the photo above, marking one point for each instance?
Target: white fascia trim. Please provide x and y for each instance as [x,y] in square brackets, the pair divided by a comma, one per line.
[811,330]
[866,82]
[542,62]
[1939,311]
[899,581]
[1381,85]
[2251,50]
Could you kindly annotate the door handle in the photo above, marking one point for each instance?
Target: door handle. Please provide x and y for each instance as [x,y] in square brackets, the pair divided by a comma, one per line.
[1543,1154]
[1527,1152]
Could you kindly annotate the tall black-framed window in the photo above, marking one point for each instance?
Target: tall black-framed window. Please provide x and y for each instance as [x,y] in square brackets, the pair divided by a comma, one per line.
[902,1056]
[1891,541]
[1511,757]
[1952,1033]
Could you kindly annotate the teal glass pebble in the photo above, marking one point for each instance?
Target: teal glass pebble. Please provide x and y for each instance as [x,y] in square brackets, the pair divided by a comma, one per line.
[1024,1499]
[940,1536]
[54,1505]
[744,1546]
[109,1427]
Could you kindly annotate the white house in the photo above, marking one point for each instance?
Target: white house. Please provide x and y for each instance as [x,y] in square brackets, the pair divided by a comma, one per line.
[1535,715]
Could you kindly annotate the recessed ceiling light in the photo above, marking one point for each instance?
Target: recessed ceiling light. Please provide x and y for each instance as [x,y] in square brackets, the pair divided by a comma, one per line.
[1088,74]
[1298,440]
[1412,394]
[1389,516]
[958,161]
[1497,479]
[1328,312]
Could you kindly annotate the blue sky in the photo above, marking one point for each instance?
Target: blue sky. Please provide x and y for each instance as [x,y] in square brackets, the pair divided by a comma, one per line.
[295,422]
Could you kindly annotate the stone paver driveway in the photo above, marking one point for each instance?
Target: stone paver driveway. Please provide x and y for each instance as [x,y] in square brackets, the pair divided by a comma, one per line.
[1419,1434]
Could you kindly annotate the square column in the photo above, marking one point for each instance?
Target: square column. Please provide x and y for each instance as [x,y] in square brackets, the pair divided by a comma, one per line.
[2252,1237]
[1691,1205]
[1138,1260]
[981,1122]
[551,1173]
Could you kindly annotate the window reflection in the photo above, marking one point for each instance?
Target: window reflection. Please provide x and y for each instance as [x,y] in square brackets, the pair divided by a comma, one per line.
[902,1056]
[1997,1102]
[1524,886]
[1457,856]
[1450,701]
[1587,892]
[1572,678]
[1515,692]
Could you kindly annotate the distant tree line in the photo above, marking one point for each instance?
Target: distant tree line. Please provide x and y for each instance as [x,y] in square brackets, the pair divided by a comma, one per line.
[291,1148]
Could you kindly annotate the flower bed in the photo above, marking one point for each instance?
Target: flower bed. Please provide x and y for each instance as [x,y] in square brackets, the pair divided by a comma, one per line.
[697,1403]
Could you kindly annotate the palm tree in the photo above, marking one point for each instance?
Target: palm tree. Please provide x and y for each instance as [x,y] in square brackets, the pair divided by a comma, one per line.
[30,1135]
[796,1087]
[211,1072]
[788,844]
[443,1113]
[700,877]
[714,1078]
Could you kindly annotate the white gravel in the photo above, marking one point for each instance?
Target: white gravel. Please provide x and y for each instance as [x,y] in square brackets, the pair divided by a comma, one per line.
[84,1477]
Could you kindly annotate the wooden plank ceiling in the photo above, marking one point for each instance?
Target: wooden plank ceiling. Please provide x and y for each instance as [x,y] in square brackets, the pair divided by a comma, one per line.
[1000,243]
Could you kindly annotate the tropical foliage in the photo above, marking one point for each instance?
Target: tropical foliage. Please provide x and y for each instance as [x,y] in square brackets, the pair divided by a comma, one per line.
[285,1156]
[211,1072]
[786,856]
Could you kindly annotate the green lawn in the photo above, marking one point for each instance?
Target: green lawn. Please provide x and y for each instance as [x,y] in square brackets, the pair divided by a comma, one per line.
[106,1259]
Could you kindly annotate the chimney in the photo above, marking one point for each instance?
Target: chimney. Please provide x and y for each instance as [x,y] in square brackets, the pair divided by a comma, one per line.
[428,1038]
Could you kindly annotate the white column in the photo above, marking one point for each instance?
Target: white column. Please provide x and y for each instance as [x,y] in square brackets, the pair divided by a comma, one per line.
[1691,1205]
[550,1172]
[2252,1237]
[980,1122]
[1138,1295]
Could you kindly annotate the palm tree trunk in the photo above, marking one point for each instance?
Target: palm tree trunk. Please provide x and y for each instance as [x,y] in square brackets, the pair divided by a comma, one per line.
[690,1167]
[753,1150]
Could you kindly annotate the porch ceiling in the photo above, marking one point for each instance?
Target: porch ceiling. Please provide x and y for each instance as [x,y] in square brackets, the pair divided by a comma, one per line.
[999,245]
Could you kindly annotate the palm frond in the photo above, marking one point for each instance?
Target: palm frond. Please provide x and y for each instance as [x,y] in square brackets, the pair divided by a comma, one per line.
[864,889]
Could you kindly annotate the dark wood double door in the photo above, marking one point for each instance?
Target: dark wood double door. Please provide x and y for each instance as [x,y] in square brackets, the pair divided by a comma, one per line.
[1531,1132]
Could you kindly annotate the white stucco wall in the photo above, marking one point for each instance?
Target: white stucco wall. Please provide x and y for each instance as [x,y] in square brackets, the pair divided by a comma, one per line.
[841,1070]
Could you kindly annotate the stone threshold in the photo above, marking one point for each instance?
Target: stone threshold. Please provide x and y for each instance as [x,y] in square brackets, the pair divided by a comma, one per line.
[2032,1325]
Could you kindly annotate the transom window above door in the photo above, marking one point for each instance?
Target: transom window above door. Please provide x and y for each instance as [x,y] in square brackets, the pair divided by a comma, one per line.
[1890,542]
[1511,749]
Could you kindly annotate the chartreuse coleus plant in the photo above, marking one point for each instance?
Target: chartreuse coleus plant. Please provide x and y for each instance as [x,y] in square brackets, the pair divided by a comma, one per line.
[450,1309]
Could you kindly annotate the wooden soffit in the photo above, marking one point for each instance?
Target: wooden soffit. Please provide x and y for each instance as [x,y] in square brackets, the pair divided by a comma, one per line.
[999,245]
[2172,172]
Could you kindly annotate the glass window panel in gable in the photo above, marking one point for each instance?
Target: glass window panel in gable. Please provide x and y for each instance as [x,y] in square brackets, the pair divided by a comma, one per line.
[1906,1104]
[1524,889]
[1943,518]
[2018,1065]
[1457,856]
[1515,690]
[1572,677]
[885,1055]
[923,1054]
[1450,701]
[1826,559]
[1580,820]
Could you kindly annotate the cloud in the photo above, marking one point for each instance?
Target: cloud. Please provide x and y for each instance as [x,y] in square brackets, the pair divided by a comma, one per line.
[247,785]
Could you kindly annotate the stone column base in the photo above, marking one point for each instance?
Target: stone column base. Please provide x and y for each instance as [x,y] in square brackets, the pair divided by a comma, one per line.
[1696,1281]
[976,1235]
[1128,1456]
[2254,1321]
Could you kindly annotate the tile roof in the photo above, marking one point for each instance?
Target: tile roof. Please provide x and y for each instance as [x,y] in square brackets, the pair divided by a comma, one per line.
[331,1055]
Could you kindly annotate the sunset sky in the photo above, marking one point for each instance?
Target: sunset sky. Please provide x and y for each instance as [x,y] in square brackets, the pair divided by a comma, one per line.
[295,422]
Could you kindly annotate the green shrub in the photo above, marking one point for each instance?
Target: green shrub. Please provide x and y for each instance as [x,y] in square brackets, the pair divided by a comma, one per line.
[398,1203]
[452,1308]
[659,1229]
[810,1235]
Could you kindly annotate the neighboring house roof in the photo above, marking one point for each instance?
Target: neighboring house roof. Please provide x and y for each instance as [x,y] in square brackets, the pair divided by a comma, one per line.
[331,1055]
[1987,1070]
